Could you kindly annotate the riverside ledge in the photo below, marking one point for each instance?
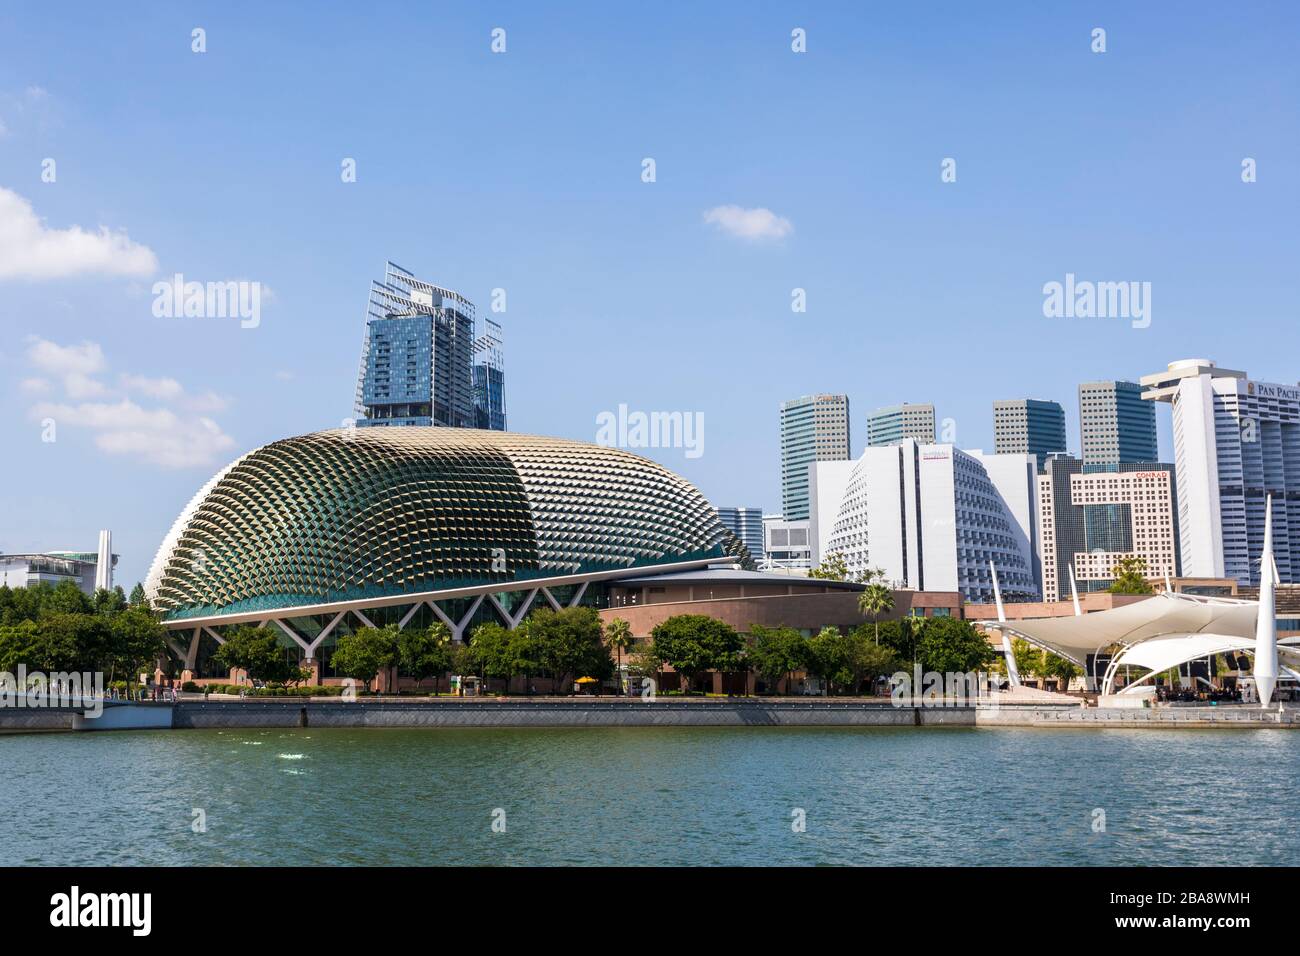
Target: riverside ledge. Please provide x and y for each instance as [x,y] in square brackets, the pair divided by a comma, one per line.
[566,712]
[233,713]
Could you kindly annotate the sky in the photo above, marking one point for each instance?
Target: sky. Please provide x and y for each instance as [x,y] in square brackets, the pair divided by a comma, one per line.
[127,157]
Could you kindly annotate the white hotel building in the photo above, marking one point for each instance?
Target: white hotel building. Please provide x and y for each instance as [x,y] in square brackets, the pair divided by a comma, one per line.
[931,517]
[1234,441]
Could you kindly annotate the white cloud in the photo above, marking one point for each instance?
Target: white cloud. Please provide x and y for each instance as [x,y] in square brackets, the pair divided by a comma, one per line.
[29,249]
[158,435]
[752,224]
[86,358]
[177,433]
[153,387]
[74,365]
[36,386]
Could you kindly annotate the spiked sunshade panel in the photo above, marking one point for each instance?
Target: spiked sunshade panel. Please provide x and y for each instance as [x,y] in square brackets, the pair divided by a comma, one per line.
[354,513]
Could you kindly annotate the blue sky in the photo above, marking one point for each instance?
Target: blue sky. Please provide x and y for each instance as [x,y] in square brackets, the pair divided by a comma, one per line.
[522,171]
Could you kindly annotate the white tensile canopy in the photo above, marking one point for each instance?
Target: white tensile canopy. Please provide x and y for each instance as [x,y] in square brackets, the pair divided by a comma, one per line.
[1171,629]
[1162,616]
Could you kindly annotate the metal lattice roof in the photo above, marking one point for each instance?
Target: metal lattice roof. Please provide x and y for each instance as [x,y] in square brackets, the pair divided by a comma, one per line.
[351,513]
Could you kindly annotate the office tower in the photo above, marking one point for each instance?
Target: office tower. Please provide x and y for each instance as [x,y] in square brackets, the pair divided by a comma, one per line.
[1091,516]
[1115,425]
[1027,426]
[417,360]
[747,525]
[1235,440]
[890,425]
[932,517]
[813,428]
[490,379]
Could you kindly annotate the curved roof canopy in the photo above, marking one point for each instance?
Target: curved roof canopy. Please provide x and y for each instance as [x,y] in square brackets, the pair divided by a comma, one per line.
[353,513]
[1164,615]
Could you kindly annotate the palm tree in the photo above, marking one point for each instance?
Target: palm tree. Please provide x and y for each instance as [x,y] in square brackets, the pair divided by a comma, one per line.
[876,600]
[619,635]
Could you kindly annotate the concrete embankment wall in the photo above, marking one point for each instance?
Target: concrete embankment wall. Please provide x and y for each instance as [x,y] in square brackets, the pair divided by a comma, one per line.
[1158,718]
[22,720]
[523,713]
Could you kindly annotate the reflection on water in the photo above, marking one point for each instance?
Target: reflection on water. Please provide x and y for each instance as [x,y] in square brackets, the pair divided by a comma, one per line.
[652,796]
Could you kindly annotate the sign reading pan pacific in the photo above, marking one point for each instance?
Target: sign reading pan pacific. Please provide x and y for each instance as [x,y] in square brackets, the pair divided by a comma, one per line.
[1264,390]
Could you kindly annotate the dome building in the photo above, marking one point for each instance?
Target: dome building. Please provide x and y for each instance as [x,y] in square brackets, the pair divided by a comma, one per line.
[346,528]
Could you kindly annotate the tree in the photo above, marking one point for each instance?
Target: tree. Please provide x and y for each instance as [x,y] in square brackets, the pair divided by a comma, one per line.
[776,652]
[1130,576]
[492,654]
[645,662]
[107,603]
[257,650]
[422,652]
[364,654]
[19,644]
[64,598]
[829,658]
[948,645]
[868,659]
[138,598]
[1032,661]
[70,641]
[692,643]
[569,643]
[618,634]
[833,567]
[135,640]
[876,600]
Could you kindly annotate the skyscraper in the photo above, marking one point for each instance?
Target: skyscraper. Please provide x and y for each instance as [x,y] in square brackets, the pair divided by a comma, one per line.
[1235,441]
[1115,425]
[1027,426]
[417,359]
[1091,516]
[490,379]
[747,525]
[890,425]
[813,428]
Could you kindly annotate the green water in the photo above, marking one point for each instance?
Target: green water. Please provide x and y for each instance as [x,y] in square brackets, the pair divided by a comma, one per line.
[652,796]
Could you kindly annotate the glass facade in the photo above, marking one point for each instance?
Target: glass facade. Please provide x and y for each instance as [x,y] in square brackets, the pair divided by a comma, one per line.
[1115,424]
[418,359]
[813,428]
[1029,426]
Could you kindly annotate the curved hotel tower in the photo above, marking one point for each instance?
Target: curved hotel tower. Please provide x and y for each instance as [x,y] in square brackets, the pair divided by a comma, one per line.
[1236,441]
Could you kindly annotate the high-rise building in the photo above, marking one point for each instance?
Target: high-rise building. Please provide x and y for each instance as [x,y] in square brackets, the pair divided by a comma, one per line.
[1235,441]
[1027,426]
[813,428]
[747,525]
[1091,516]
[931,517]
[418,359]
[890,425]
[490,380]
[1115,425]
